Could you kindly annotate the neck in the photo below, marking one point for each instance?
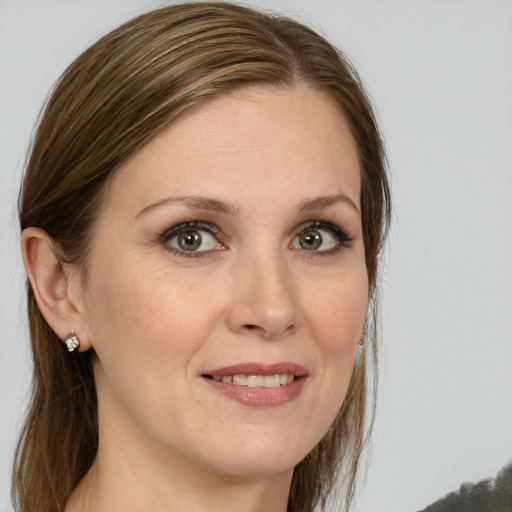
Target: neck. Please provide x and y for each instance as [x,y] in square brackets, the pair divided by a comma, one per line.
[126,481]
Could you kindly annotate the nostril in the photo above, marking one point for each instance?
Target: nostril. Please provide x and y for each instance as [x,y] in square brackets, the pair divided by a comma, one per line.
[258,330]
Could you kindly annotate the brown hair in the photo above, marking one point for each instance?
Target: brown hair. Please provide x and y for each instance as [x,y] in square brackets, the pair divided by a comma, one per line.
[112,100]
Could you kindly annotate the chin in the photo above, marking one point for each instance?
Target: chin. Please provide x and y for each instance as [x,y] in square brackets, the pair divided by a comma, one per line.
[262,455]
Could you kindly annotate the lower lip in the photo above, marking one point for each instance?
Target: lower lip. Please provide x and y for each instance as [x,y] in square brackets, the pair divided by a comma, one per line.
[260,397]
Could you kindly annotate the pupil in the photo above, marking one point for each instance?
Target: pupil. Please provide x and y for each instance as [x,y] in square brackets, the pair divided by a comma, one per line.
[311,240]
[189,241]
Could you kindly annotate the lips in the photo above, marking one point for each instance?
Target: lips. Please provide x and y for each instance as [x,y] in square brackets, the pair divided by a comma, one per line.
[258,385]
[258,369]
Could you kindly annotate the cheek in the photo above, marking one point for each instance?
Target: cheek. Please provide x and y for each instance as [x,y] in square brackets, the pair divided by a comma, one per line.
[143,303]
[146,330]
[337,312]
[336,319]
[147,321]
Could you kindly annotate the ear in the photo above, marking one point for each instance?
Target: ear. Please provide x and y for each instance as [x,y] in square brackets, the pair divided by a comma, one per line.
[57,287]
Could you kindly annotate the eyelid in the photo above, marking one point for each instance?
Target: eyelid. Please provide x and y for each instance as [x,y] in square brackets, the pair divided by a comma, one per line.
[343,237]
[190,225]
[194,225]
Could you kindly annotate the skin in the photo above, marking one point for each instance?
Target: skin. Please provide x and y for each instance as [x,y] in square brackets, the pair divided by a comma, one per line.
[157,320]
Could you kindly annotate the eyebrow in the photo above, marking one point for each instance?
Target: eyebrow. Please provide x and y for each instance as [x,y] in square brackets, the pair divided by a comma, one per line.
[215,205]
[195,202]
[319,203]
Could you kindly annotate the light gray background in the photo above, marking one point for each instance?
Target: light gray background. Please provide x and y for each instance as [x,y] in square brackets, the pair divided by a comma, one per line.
[441,75]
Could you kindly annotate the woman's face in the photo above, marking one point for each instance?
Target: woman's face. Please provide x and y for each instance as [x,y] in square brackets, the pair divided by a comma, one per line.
[230,245]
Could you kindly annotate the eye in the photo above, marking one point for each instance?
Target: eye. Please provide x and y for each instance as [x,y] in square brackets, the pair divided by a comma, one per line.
[199,240]
[321,237]
[192,238]
[315,240]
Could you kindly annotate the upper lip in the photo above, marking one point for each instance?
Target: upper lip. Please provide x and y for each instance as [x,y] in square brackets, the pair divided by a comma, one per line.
[258,369]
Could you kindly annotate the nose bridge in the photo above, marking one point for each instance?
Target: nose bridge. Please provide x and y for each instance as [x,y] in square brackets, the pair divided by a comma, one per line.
[264,302]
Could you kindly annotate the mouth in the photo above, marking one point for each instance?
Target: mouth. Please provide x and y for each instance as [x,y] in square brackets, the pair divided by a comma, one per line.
[259,385]
[255,381]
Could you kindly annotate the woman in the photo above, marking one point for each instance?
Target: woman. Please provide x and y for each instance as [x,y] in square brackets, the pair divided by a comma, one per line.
[202,214]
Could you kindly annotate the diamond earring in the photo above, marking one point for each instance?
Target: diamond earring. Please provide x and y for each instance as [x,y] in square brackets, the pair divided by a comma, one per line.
[71,341]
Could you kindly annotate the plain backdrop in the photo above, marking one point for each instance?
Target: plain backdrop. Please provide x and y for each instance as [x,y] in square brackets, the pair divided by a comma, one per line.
[440,73]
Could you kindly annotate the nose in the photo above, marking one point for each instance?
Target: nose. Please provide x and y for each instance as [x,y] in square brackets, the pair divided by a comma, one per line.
[263,300]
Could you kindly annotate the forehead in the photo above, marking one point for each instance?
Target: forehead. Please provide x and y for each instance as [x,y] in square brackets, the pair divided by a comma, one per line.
[270,139]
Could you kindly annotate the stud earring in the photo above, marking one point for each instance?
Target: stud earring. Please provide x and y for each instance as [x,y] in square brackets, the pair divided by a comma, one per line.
[361,341]
[71,341]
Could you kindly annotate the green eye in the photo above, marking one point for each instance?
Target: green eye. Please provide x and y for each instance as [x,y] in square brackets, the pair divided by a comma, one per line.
[189,240]
[310,240]
[320,237]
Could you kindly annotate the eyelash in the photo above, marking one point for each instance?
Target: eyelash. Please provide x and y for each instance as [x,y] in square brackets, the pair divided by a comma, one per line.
[342,237]
[194,225]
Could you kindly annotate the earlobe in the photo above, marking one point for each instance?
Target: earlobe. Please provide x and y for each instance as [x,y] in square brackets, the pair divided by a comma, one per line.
[54,285]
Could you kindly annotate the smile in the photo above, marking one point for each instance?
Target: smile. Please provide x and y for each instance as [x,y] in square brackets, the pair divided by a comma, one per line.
[257,381]
[259,385]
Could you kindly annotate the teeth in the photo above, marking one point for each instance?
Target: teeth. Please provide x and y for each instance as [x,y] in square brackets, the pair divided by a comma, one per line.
[241,380]
[271,381]
[257,381]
